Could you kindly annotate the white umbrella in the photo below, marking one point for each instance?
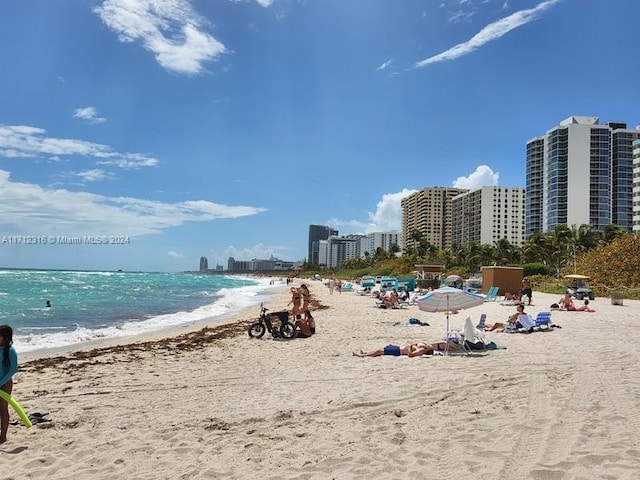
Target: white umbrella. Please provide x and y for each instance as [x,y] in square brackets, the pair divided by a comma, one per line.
[452,279]
[448,299]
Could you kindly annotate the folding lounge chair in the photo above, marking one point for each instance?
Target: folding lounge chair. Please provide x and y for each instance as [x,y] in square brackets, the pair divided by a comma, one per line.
[481,322]
[491,294]
[543,320]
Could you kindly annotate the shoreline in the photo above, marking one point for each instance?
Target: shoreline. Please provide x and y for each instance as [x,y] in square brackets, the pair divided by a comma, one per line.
[274,293]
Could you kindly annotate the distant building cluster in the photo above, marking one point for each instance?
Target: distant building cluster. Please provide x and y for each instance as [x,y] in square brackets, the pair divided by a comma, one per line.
[579,172]
[328,249]
[255,265]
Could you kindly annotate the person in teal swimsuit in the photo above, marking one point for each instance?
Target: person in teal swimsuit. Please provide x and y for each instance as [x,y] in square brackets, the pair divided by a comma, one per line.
[8,366]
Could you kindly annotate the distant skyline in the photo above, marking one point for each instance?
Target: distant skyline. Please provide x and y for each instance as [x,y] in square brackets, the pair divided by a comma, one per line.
[225,128]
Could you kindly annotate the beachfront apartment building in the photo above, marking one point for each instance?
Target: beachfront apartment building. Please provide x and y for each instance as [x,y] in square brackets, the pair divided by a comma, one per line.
[636,186]
[336,249]
[318,233]
[488,214]
[258,265]
[371,242]
[580,172]
[428,211]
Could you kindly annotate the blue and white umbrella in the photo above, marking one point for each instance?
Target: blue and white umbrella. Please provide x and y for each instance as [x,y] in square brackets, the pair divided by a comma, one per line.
[448,299]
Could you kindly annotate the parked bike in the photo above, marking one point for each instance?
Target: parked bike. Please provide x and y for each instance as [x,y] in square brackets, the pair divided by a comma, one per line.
[285,330]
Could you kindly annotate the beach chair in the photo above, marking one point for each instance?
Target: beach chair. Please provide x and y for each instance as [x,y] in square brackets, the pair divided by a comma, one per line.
[543,320]
[491,294]
[472,338]
[481,322]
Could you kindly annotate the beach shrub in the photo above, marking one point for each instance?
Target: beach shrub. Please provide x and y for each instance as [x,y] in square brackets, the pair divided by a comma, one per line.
[537,268]
[613,265]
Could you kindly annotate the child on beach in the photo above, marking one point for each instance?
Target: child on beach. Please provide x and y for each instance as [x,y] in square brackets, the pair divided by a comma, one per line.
[8,366]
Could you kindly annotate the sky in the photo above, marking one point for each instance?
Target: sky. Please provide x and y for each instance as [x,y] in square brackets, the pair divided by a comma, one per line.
[148,133]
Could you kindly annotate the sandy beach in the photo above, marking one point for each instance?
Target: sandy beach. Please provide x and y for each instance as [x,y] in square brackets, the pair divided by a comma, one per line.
[212,403]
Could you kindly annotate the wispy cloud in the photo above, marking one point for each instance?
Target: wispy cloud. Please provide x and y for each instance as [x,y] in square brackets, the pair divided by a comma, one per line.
[90,114]
[383,66]
[491,32]
[93,175]
[25,141]
[483,176]
[31,209]
[174,254]
[170,29]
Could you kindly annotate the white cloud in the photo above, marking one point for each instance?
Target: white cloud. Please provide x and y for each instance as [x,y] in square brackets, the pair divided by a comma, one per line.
[383,66]
[170,29]
[24,141]
[32,210]
[90,114]
[491,32]
[174,254]
[265,3]
[386,218]
[93,175]
[482,177]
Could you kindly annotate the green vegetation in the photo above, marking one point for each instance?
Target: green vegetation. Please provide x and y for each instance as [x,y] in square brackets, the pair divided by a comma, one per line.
[609,257]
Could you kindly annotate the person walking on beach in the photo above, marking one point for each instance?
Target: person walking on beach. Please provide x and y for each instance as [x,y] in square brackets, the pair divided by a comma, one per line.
[526,290]
[8,366]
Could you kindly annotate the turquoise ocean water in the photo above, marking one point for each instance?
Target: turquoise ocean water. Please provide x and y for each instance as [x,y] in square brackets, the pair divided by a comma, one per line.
[89,306]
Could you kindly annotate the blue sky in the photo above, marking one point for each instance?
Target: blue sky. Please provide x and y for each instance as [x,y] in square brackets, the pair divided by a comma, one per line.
[226,127]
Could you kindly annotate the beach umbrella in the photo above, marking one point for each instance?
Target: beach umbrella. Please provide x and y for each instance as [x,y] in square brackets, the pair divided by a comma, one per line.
[452,279]
[448,299]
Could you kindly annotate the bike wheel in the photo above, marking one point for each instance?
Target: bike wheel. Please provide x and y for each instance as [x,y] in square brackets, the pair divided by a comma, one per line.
[256,330]
[288,330]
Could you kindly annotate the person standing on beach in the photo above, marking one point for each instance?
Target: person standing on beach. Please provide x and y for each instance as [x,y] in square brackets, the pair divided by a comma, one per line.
[8,366]
[526,290]
[306,297]
[332,284]
[296,299]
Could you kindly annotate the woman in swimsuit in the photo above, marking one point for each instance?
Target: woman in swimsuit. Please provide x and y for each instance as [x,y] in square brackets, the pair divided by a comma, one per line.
[411,350]
[296,299]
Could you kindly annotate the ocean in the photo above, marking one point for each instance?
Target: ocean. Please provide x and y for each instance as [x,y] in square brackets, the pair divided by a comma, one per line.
[88,306]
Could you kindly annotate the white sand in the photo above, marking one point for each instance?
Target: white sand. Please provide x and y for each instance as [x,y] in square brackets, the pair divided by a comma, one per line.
[563,404]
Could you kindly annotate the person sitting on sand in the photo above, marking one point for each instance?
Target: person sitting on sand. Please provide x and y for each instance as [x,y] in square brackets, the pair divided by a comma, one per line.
[412,350]
[391,299]
[303,328]
[512,320]
[571,307]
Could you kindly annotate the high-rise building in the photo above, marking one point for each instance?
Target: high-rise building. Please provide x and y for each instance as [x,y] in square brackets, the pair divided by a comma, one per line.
[428,212]
[370,242]
[317,233]
[488,214]
[580,172]
[204,264]
[636,185]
